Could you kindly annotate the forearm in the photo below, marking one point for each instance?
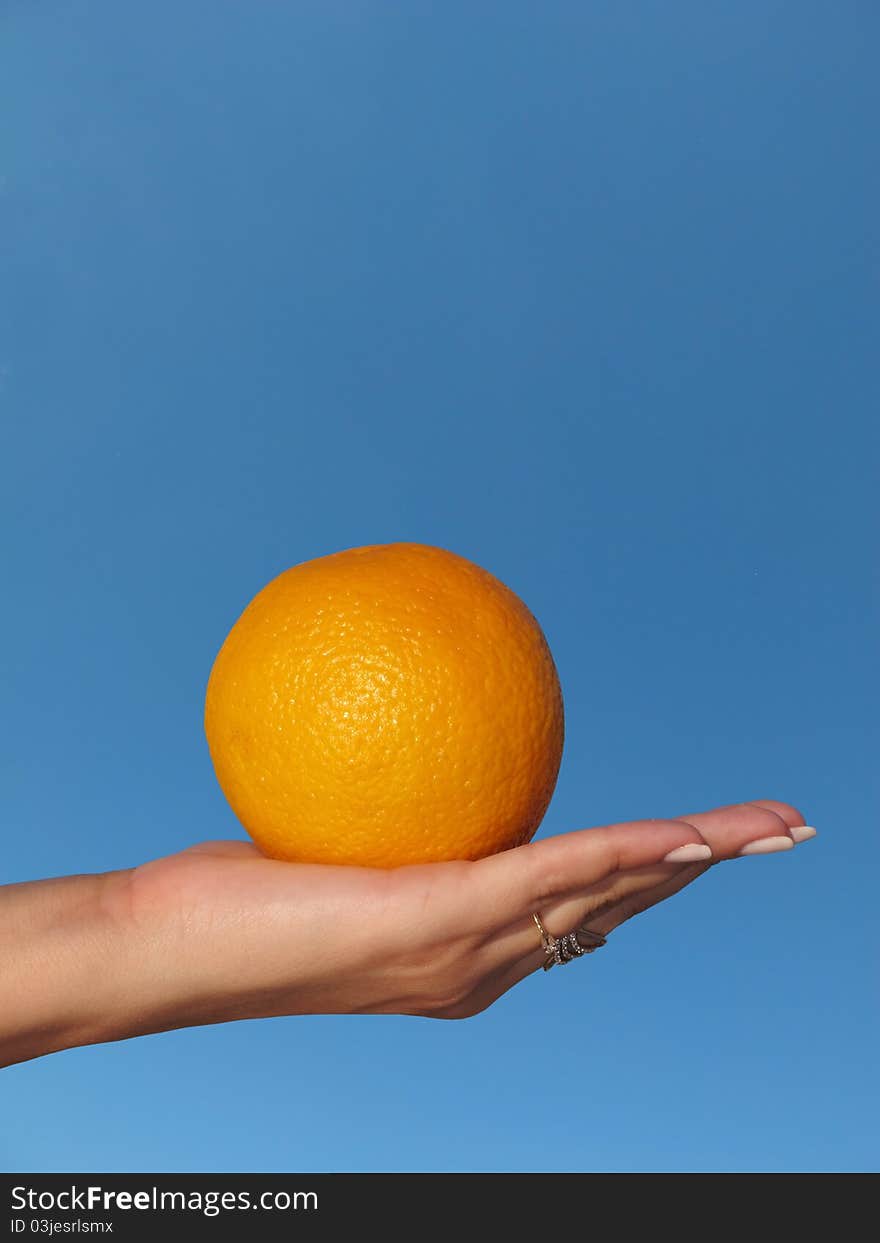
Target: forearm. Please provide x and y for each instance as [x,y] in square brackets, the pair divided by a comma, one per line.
[220,932]
[71,971]
[87,959]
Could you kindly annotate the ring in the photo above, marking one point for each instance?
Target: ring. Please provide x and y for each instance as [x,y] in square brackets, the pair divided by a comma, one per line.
[565,949]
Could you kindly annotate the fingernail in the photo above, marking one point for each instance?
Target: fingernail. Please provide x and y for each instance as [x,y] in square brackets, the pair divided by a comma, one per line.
[802,832]
[767,846]
[693,852]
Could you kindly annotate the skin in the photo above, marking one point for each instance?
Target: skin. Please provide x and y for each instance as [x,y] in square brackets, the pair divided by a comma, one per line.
[219,932]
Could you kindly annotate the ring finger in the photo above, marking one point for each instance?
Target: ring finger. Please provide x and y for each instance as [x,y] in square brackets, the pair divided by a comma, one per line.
[598,906]
[530,954]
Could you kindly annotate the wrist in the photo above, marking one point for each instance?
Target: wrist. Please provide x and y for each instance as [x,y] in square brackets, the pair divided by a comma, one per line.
[61,961]
[84,960]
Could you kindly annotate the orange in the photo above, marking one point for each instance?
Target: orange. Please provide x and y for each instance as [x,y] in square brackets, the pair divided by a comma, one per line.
[386,705]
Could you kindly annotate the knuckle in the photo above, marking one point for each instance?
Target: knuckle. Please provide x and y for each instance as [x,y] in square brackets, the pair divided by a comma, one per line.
[686,824]
[771,820]
[550,872]
[786,811]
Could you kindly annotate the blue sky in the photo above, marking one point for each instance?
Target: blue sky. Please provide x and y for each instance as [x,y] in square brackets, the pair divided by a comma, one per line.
[581,291]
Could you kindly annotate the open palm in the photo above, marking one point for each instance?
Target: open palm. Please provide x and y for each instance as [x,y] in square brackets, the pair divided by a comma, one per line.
[251,936]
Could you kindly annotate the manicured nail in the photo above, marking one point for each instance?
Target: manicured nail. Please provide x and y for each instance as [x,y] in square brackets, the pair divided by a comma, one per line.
[693,852]
[767,846]
[802,832]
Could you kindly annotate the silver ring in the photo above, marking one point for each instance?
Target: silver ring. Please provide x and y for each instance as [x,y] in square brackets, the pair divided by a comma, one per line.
[561,950]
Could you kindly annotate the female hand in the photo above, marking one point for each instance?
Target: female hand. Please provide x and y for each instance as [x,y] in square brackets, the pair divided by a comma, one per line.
[220,932]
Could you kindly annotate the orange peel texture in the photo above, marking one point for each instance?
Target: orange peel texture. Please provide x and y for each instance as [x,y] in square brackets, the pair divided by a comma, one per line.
[386,705]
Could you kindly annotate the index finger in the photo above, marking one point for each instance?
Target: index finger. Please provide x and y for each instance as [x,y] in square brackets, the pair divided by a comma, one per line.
[762,826]
[526,876]
[559,866]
